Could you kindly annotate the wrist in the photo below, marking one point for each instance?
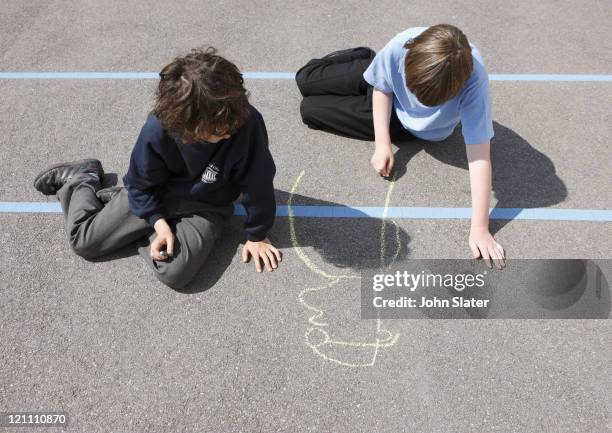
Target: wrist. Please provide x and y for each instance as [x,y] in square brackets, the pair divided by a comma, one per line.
[480,219]
[256,240]
[479,227]
[161,226]
[382,144]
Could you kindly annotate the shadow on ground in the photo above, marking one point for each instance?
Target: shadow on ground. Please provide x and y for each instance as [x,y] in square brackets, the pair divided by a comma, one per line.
[354,243]
[523,177]
[525,289]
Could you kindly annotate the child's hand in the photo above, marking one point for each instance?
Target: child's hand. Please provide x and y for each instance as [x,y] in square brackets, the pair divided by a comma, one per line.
[163,240]
[483,245]
[382,160]
[261,250]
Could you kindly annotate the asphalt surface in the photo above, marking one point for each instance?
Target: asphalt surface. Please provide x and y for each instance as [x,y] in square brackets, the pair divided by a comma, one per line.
[119,352]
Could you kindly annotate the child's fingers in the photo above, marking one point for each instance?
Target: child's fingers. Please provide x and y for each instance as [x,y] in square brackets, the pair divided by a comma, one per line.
[501,250]
[474,248]
[270,255]
[277,253]
[156,255]
[266,261]
[155,249]
[486,257]
[245,254]
[170,245]
[390,163]
[495,256]
[257,262]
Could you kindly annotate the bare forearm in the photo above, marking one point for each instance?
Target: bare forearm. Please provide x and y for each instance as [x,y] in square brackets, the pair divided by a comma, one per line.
[480,181]
[479,162]
[480,240]
[381,110]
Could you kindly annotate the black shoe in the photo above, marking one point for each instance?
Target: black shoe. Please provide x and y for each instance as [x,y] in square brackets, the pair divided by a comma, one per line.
[50,180]
[107,194]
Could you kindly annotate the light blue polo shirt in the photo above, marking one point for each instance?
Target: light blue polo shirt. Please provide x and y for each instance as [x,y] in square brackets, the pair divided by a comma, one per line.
[471,107]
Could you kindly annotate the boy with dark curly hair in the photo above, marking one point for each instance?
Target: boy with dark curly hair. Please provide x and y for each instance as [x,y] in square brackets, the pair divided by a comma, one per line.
[201,147]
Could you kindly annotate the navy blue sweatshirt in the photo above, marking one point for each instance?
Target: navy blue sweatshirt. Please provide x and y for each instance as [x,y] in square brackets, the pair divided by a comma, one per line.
[214,173]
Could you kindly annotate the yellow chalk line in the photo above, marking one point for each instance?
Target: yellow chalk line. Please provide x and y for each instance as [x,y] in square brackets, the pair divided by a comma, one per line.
[315,347]
[294,240]
[383,225]
[382,258]
[315,319]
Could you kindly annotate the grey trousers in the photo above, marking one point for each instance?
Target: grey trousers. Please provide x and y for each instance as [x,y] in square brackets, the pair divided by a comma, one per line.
[96,229]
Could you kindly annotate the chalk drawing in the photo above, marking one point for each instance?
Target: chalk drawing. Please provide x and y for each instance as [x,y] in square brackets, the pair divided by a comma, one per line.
[318,336]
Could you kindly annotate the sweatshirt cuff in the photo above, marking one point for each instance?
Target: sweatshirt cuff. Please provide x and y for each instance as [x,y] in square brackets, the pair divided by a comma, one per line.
[255,237]
[154,217]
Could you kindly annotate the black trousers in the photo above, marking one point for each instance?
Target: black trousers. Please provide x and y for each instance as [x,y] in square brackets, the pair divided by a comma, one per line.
[338,100]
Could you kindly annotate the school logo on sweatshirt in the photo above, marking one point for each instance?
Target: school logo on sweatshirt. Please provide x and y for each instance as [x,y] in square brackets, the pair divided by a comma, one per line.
[210,174]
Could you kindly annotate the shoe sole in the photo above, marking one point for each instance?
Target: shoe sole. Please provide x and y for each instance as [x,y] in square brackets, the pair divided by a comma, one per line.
[64,164]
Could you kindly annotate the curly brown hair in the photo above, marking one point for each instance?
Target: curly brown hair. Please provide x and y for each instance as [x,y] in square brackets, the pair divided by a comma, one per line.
[201,93]
[438,64]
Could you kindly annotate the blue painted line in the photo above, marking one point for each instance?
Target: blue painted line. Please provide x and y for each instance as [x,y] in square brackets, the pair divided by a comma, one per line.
[301,211]
[78,75]
[29,207]
[270,76]
[548,77]
[448,213]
